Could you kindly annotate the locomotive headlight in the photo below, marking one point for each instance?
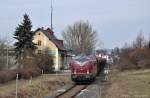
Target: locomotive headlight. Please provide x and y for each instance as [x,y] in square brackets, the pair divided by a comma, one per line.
[75,72]
[87,72]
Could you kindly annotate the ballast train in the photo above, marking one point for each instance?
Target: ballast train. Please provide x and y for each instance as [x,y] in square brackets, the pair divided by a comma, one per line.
[86,68]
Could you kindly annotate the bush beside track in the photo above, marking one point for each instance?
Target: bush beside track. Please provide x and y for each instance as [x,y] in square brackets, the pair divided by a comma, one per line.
[134,59]
[8,75]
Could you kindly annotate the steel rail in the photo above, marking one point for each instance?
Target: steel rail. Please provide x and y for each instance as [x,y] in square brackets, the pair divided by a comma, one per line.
[72,92]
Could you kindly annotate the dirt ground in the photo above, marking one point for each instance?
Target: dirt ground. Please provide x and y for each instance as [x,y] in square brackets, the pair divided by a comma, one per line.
[128,84]
[35,88]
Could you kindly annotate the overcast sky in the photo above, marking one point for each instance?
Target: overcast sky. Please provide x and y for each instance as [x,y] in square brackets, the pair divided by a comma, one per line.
[116,21]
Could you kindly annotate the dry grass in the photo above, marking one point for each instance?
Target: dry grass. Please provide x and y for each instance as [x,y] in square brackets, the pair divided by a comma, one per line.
[129,84]
[39,87]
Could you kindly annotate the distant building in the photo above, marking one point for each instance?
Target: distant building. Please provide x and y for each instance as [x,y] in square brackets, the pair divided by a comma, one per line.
[45,38]
[105,54]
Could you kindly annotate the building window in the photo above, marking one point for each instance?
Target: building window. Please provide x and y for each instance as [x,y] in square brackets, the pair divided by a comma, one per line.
[39,43]
[39,51]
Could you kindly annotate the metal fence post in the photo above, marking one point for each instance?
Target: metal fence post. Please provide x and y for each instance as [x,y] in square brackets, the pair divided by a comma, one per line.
[30,81]
[99,92]
[17,86]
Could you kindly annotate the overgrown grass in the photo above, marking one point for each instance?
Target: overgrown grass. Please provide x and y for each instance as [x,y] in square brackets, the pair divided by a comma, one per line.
[129,84]
[39,87]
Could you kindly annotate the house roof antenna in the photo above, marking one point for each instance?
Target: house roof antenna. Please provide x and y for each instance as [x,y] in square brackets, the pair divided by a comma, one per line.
[51,15]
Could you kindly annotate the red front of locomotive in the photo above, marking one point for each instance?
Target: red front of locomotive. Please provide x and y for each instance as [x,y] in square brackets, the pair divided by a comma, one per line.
[83,69]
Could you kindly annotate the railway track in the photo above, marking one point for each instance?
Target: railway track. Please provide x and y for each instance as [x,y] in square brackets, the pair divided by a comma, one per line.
[72,92]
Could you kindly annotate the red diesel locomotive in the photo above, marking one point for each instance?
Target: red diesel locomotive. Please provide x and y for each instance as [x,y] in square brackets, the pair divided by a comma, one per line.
[83,69]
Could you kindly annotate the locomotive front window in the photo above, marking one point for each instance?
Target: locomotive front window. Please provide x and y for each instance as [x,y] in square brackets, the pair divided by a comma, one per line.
[81,60]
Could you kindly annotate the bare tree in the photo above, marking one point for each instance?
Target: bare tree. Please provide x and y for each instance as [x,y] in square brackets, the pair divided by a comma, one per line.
[139,42]
[80,37]
[6,55]
[149,42]
[116,50]
[45,61]
[2,57]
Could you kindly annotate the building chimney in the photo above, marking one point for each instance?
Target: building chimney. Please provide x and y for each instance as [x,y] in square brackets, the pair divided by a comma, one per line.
[50,31]
[61,42]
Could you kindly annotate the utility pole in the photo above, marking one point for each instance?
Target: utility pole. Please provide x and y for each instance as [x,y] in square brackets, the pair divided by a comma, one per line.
[51,15]
[7,52]
[7,56]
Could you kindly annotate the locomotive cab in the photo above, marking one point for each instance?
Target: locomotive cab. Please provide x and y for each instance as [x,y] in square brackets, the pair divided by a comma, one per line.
[83,69]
